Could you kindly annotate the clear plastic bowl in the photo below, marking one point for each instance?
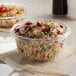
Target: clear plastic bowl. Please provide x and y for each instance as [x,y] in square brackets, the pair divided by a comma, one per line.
[40,49]
[7,22]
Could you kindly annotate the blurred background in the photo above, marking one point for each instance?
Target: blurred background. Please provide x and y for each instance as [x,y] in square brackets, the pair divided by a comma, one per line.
[48,7]
[34,6]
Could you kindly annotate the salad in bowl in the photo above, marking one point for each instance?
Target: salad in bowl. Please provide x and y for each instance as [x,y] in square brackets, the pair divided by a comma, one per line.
[40,40]
[11,13]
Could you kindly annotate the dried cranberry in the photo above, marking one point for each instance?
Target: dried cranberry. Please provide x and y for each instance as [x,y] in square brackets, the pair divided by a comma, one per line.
[47,29]
[58,32]
[28,23]
[17,30]
[61,26]
[28,28]
[38,24]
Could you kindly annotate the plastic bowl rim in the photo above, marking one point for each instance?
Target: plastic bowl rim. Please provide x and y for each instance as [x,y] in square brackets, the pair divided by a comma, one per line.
[43,19]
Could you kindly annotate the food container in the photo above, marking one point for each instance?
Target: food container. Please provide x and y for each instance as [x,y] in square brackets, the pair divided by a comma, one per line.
[40,49]
[11,13]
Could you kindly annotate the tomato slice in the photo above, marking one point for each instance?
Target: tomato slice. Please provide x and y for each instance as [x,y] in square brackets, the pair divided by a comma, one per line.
[12,8]
[3,9]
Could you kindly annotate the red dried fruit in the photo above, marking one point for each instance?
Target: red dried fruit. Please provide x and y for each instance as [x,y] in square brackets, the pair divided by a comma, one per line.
[28,27]
[61,26]
[58,32]
[28,23]
[17,30]
[47,29]
[38,24]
